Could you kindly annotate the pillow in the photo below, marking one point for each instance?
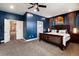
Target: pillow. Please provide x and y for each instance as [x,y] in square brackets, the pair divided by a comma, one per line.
[62,31]
[54,31]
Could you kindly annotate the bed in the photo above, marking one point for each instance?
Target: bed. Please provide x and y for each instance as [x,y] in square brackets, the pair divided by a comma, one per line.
[59,39]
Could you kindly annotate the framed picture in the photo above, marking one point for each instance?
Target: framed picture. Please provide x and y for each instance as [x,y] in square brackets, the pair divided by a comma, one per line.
[59,20]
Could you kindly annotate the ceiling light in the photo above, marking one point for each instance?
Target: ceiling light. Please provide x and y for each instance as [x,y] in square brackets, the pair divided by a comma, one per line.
[69,10]
[35,10]
[11,7]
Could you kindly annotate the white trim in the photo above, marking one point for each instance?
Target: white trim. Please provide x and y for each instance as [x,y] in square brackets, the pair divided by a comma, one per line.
[28,40]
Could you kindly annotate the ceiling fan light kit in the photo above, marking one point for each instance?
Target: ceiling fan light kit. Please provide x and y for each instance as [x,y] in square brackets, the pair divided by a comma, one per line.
[36,6]
[35,10]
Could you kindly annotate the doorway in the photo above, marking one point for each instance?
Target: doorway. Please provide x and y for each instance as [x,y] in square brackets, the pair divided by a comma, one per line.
[12,30]
[39,28]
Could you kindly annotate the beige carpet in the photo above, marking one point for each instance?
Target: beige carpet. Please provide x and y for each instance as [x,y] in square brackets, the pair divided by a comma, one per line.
[36,48]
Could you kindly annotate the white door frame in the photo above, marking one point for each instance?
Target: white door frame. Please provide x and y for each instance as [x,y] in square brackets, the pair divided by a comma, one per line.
[7,29]
[39,28]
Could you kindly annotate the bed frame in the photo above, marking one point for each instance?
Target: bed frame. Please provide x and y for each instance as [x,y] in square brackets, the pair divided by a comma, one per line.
[55,39]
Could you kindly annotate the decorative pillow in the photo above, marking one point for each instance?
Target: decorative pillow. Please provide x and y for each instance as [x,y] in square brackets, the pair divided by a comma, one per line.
[54,31]
[62,31]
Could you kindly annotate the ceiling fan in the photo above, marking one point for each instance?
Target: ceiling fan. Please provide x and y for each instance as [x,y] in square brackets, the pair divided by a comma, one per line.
[36,6]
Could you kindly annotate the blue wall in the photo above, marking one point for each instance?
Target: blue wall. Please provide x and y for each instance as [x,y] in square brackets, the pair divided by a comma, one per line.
[65,19]
[77,19]
[6,15]
[31,25]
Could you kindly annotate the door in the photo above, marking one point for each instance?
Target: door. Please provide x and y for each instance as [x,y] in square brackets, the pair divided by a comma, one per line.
[12,30]
[6,31]
[39,28]
[19,29]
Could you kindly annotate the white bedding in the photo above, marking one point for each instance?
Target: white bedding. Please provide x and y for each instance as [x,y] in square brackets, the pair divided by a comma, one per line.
[66,36]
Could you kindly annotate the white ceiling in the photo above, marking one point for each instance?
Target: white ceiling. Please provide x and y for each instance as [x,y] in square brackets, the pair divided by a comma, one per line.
[52,9]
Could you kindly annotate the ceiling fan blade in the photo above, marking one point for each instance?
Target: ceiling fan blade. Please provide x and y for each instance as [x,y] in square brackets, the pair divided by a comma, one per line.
[42,6]
[36,3]
[31,7]
[37,9]
[31,3]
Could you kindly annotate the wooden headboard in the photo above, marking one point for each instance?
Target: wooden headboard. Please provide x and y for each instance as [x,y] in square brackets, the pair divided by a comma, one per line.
[62,27]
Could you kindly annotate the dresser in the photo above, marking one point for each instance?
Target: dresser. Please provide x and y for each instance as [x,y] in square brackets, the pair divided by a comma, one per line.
[74,37]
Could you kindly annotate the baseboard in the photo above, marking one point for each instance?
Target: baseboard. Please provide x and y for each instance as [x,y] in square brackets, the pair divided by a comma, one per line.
[2,41]
[27,40]
[31,39]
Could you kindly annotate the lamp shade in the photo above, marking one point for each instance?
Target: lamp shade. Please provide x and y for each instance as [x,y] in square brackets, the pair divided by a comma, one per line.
[74,30]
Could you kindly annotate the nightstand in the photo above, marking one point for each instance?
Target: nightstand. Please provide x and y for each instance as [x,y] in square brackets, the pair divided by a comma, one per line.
[74,37]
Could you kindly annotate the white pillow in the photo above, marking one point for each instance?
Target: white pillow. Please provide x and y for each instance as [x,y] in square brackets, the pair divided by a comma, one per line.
[62,31]
[54,31]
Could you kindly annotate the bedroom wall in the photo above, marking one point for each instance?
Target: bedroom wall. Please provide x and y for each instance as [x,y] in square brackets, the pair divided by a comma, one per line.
[7,15]
[30,25]
[77,20]
[71,19]
[54,23]
[28,21]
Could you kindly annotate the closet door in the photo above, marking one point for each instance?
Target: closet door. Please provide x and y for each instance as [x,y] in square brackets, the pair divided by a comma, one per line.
[6,31]
[19,29]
